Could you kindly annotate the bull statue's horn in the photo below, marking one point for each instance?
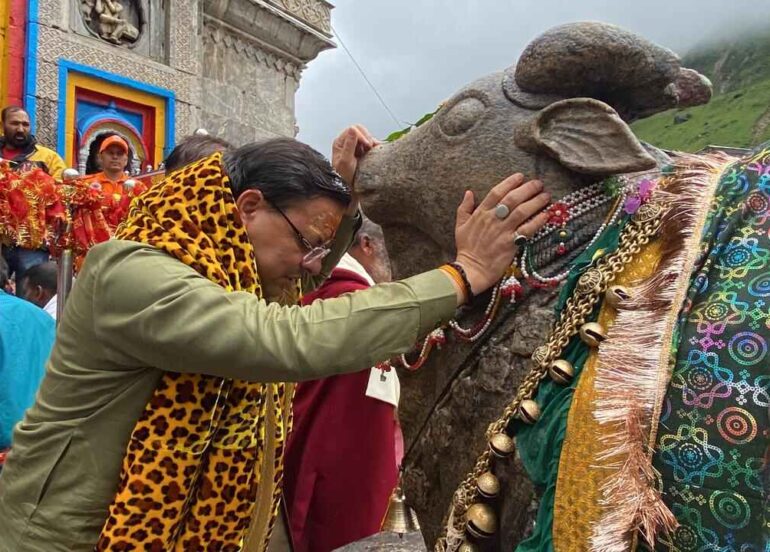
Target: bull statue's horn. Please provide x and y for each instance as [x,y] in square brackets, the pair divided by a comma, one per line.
[602,61]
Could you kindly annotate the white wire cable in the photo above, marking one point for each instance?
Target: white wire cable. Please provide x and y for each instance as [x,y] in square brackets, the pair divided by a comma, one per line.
[371,85]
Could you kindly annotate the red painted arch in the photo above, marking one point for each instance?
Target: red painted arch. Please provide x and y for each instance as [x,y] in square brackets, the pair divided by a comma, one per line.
[147,113]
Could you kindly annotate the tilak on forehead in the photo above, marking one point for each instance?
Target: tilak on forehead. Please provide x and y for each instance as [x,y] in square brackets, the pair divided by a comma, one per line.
[324,225]
[327,222]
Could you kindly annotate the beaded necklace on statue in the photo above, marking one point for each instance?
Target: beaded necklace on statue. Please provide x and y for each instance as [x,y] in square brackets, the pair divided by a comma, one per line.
[508,289]
[564,235]
[567,224]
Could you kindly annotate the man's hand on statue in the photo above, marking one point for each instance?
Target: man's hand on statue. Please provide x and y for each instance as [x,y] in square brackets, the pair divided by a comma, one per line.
[484,234]
[350,146]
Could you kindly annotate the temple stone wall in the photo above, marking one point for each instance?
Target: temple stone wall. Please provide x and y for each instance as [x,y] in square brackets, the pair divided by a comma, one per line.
[234,65]
[247,92]
[253,54]
[178,69]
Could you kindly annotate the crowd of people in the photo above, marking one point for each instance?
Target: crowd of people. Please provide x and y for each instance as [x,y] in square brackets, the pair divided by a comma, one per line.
[155,418]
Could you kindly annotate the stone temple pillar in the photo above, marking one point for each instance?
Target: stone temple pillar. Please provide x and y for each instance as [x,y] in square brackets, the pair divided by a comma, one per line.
[252,55]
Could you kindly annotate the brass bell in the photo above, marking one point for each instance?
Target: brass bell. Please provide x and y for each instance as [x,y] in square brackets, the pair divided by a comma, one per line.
[616,295]
[488,485]
[529,411]
[648,212]
[561,371]
[481,521]
[592,333]
[501,445]
[468,546]
[399,517]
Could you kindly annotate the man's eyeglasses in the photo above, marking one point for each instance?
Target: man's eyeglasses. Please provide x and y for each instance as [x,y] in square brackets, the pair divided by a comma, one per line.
[313,253]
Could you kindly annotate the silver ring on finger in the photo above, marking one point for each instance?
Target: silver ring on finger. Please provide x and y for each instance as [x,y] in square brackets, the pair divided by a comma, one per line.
[520,240]
[502,211]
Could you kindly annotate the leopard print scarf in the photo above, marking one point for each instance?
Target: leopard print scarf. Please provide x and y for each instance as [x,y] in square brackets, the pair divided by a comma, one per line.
[195,467]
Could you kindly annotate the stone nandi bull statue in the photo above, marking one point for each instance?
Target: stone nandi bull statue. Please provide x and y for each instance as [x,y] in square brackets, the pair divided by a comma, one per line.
[643,412]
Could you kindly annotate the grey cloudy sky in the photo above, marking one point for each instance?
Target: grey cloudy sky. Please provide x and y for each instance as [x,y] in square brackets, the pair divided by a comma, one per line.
[419,52]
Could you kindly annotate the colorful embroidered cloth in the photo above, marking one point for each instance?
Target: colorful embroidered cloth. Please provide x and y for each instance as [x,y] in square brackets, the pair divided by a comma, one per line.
[539,446]
[714,430]
[712,440]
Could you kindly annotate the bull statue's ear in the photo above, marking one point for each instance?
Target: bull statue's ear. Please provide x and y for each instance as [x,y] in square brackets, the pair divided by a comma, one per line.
[586,136]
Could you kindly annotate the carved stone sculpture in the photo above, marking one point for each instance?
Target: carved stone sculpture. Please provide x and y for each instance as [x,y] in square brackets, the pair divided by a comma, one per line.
[112,20]
[86,8]
[561,114]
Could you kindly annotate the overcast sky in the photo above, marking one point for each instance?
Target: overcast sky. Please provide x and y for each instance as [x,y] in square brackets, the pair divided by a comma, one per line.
[419,52]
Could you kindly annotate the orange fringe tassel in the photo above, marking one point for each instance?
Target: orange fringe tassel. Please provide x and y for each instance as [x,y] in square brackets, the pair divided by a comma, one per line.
[634,363]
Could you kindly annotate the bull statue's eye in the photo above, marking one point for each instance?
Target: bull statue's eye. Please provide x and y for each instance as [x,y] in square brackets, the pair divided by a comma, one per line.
[462,115]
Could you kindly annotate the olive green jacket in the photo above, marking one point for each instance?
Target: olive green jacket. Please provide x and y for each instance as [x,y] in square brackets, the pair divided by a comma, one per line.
[136,311]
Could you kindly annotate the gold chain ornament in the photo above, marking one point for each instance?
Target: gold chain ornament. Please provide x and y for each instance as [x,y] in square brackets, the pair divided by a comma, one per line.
[469,515]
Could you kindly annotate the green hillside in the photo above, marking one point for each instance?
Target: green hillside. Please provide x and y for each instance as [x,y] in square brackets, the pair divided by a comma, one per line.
[738,114]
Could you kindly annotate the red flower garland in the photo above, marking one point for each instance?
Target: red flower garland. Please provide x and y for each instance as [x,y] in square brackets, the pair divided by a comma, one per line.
[36,211]
[27,206]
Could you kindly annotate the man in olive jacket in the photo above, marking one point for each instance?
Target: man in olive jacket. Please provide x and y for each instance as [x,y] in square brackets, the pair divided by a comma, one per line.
[138,316]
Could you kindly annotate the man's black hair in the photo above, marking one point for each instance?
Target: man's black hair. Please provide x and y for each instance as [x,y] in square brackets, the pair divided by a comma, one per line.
[194,147]
[285,171]
[5,273]
[10,110]
[43,275]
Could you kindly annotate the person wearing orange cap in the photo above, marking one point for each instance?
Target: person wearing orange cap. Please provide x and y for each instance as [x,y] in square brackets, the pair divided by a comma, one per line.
[113,158]
[118,189]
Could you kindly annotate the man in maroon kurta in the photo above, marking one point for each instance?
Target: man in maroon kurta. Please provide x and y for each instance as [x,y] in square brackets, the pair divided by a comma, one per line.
[340,463]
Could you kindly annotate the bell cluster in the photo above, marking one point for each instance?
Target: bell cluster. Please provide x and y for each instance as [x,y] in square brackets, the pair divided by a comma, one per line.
[481,521]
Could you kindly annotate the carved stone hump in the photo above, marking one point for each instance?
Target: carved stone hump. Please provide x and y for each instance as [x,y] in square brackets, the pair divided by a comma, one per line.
[580,57]
[605,62]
